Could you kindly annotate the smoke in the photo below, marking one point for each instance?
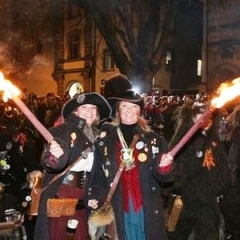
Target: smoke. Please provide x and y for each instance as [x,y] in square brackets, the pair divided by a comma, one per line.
[7,62]
[24,30]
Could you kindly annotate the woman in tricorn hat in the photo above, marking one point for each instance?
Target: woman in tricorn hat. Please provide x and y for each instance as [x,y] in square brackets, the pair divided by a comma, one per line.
[71,139]
[136,202]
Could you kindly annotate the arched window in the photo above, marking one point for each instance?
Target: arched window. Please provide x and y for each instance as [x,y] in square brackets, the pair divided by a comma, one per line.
[75,88]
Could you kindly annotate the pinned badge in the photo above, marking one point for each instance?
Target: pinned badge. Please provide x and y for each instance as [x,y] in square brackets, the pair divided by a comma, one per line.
[139,145]
[199,154]
[80,98]
[155,149]
[142,157]
[70,177]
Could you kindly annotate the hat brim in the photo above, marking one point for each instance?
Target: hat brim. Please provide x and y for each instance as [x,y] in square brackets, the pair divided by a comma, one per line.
[127,96]
[88,98]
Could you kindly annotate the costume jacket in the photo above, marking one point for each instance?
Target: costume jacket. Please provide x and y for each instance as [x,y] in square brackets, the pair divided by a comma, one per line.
[148,150]
[72,139]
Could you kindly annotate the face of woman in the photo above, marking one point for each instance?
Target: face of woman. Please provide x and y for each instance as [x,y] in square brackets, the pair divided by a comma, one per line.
[87,112]
[129,112]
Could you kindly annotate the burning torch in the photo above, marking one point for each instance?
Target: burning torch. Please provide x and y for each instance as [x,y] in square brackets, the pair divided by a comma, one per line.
[10,91]
[226,92]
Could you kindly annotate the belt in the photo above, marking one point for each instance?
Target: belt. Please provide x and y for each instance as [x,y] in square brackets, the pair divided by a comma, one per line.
[75,179]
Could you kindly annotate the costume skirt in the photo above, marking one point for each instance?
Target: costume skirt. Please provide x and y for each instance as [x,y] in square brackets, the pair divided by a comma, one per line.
[58,226]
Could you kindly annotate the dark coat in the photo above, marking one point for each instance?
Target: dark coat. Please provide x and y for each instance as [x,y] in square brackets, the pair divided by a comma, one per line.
[73,141]
[105,158]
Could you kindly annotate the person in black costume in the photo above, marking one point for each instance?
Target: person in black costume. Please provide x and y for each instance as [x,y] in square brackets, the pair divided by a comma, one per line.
[231,201]
[201,176]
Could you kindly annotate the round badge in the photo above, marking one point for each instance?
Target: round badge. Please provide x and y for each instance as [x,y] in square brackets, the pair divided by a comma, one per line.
[24,204]
[199,154]
[28,198]
[139,145]
[70,177]
[142,157]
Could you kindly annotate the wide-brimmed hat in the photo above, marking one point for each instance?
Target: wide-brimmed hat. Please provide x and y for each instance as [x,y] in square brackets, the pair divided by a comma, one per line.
[129,96]
[116,85]
[88,98]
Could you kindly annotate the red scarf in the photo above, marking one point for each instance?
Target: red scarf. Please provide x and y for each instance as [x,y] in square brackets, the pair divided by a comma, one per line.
[130,183]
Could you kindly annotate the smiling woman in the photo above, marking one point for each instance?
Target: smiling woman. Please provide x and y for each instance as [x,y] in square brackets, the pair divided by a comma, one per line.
[128,141]
[129,112]
[67,161]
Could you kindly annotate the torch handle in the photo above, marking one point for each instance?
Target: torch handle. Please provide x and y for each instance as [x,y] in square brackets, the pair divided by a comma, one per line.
[32,118]
[191,131]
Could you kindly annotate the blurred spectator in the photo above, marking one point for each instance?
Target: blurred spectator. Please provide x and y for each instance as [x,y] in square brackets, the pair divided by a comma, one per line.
[46,105]
[168,117]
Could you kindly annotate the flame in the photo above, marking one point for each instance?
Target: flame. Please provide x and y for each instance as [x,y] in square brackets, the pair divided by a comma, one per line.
[226,93]
[9,90]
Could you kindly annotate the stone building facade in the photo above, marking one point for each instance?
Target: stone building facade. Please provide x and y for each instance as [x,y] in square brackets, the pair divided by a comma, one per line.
[75,58]
[223,35]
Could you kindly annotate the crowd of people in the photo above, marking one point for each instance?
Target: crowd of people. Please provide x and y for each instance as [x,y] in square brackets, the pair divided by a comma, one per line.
[112,152]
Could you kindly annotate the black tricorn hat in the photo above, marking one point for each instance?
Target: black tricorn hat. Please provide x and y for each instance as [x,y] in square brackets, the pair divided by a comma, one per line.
[129,96]
[88,98]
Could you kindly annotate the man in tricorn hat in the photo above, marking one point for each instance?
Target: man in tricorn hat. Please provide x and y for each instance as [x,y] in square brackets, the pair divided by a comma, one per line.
[73,137]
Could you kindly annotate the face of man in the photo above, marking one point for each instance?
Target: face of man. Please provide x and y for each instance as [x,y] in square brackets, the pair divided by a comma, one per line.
[87,112]
[129,112]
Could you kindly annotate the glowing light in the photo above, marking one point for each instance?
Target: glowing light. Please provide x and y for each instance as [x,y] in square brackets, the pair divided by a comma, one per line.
[226,92]
[8,88]
[10,91]
[136,89]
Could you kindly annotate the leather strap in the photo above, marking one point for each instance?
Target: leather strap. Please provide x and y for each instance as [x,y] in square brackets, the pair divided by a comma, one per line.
[83,155]
[119,173]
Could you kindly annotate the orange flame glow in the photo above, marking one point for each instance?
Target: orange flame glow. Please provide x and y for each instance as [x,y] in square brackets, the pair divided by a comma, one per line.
[226,93]
[12,92]
[8,88]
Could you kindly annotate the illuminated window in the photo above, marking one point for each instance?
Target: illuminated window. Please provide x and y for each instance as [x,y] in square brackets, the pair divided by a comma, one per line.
[168,57]
[199,67]
[74,45]
[169,60]
[108,62]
